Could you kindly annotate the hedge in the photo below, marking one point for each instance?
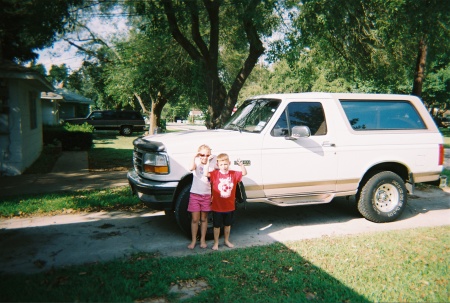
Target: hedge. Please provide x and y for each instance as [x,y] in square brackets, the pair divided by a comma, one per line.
[71,137]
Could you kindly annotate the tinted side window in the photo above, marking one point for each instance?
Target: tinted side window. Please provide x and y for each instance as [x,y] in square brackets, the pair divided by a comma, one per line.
[130,116]
[109,115]
[382,115]
[96,115]
[310,114]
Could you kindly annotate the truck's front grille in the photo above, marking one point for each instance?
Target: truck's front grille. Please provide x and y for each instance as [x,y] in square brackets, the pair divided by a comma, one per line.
[137,160]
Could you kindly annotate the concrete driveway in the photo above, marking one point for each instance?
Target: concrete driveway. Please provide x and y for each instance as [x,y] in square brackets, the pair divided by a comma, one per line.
[30,245]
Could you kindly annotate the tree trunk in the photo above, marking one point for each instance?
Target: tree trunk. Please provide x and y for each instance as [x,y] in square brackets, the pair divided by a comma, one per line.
[155,114]
[420,68]
[217,94]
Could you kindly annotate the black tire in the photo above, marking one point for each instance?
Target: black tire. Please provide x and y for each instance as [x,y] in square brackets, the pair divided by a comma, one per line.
[382,198]
[184,218]
[126,130]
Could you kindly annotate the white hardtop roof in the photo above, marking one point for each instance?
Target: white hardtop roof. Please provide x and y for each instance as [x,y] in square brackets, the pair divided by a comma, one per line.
[321,95]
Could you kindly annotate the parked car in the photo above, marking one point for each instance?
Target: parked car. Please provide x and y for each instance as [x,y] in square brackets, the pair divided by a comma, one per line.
[303,149]
[126,122]
[445,122]
[442,121]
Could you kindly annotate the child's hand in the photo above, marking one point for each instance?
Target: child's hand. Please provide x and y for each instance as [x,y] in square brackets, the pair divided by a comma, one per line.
[239,161]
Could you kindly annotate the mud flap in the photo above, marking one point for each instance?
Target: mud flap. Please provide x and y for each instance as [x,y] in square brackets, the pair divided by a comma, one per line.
[241,196]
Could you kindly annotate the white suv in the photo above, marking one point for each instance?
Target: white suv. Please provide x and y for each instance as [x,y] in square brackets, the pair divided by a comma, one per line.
[304,148]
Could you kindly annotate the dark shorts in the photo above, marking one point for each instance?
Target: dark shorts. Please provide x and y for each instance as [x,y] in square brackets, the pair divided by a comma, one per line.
[222,219]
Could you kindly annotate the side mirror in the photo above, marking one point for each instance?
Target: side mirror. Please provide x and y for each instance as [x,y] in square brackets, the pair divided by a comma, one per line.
[299,132]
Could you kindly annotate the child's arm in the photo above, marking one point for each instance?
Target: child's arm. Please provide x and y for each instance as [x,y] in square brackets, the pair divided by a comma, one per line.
[206,170]
[193,166]
[242,166]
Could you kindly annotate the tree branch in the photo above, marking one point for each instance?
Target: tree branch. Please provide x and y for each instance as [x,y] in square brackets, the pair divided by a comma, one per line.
[256,50]
[176,33]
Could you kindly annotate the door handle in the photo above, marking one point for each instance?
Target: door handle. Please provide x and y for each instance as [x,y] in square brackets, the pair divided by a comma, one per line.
[328,144]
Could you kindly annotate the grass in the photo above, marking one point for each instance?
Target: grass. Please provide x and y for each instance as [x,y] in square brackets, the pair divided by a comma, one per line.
[59,203]
[111,152]
[396,266]
[446,133]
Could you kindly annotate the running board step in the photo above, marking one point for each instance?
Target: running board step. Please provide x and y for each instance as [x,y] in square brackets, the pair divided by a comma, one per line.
[300,200]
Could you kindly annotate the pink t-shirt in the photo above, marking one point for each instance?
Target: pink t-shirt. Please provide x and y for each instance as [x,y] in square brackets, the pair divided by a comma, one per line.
[224,189]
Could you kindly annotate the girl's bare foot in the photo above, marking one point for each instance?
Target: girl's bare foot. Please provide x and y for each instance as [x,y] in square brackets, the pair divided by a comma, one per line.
[191,246]
[229,244]
[215,247]
[203,245]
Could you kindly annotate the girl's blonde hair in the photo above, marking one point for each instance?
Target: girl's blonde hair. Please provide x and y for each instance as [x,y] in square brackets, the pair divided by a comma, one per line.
[204,146]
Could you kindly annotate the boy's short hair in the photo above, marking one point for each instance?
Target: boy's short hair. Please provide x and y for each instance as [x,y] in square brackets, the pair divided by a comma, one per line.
[223,157]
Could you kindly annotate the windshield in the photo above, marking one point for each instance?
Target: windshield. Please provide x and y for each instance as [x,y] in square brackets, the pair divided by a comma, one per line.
[253,115]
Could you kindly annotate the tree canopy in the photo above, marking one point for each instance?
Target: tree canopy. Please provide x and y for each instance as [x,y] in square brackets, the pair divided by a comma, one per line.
[211,53]
[377,42]
[30,25]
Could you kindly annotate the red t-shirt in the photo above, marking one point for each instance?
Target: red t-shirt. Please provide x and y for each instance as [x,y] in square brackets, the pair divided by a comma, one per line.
[223,188]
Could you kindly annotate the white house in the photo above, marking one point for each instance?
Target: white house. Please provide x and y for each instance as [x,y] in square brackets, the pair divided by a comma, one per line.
[50,108]
[63,104]
[20,117]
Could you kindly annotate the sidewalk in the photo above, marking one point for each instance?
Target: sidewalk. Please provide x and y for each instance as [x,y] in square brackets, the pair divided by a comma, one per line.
[70,173]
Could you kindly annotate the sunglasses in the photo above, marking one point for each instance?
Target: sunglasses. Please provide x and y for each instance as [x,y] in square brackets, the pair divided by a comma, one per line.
[203,155]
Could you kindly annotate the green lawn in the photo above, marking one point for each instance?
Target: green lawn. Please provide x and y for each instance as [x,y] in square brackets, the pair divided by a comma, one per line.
[111,152]
[396,266]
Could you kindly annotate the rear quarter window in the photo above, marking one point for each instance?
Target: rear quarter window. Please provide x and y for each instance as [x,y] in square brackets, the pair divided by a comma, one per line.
[382,115]
[130,116]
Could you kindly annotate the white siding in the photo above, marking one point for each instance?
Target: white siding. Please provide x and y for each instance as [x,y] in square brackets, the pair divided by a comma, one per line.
[23,145]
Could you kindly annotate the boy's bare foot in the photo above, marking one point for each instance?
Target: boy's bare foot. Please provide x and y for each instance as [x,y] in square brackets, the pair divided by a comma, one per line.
[203,245]
[229,244]
[191,246]
[215,247]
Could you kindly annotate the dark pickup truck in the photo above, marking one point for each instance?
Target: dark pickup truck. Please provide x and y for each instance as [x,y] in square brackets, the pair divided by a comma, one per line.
[124,121]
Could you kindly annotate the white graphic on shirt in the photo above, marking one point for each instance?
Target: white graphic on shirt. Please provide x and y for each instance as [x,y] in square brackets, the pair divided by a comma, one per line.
[225,186]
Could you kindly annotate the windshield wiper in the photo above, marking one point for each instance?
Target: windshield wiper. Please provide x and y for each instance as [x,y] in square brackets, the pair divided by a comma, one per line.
[235,127]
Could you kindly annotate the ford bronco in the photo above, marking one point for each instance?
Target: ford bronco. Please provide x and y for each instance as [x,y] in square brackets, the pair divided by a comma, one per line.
[303,148]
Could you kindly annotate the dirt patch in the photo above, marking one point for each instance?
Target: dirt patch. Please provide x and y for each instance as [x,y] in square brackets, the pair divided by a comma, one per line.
[184,289]
[188,288]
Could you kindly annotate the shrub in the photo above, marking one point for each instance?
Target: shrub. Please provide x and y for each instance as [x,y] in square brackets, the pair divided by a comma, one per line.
[72,137]
[85,128]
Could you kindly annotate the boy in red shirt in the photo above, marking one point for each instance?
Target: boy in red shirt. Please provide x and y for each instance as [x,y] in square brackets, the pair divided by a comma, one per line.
[223,186]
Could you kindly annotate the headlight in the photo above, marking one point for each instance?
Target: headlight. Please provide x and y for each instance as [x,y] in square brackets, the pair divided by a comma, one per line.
[156,163]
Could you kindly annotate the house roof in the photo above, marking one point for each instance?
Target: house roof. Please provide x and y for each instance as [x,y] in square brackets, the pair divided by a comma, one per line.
[70,96]
[51,96]
[65,95]
[12,70]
